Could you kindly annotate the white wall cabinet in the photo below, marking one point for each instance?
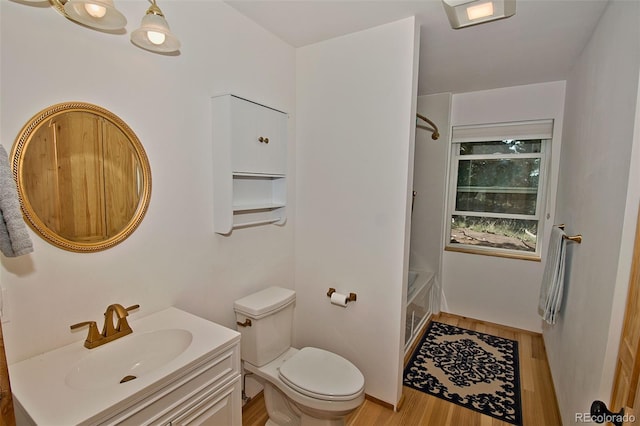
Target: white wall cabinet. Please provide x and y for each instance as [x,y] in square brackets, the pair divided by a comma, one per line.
[249,164]
[258,138]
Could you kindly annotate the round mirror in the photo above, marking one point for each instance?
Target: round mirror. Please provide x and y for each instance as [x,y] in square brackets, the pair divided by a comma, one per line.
[83,178]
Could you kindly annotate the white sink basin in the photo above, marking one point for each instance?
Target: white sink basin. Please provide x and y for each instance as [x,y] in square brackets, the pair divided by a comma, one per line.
[74,385]
[127,358]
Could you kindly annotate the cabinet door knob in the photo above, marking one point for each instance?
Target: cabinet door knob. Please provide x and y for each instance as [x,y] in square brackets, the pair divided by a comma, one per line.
[265,140]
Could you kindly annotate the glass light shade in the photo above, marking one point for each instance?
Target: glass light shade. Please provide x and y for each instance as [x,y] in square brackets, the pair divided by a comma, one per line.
[481,10]
[156,37]
[95,10]
[149,35]
[99,14]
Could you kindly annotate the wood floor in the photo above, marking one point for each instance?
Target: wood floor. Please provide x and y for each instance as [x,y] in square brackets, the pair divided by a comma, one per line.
[539,404]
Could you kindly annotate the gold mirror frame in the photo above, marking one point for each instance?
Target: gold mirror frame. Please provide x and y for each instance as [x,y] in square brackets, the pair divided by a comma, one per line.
[18,153]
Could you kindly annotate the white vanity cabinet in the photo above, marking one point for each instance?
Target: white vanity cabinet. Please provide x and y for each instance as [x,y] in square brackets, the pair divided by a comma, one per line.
[210,394]
[249,163]
[182,370]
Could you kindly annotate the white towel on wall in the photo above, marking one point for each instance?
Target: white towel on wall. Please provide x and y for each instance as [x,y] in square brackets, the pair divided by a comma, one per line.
[553,279]
[14,238]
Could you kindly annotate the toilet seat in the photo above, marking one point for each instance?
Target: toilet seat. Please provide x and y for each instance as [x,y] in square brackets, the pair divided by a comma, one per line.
[322,375]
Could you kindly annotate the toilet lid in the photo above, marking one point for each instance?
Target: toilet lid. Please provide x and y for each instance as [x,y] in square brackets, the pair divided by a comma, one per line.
[322,374]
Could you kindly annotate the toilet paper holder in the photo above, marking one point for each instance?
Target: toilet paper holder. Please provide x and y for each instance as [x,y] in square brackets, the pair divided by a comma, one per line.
[351,298]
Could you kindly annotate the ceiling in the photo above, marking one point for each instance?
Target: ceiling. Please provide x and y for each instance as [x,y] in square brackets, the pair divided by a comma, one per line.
[540,43]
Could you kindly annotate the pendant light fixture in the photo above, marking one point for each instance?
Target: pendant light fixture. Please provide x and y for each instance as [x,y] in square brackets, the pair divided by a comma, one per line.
[98,14]
[154,33]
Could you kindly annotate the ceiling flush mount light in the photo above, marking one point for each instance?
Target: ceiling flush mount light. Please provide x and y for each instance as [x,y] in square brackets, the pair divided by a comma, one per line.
[154,33]
[464,13]
[98,14]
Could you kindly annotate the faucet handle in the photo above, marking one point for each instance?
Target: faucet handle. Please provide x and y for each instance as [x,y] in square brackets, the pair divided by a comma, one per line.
[131,308]
[82,324]
[93,336]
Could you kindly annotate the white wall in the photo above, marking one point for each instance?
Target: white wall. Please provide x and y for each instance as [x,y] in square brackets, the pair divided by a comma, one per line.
[502,290]
[174,257]
[598,197]
[429,181]
[356,98]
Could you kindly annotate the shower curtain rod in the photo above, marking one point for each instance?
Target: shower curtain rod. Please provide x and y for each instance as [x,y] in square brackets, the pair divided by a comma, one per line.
[434,130]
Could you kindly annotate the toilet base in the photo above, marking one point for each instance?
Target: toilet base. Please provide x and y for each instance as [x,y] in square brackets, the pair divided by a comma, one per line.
[283,412]
[287,407]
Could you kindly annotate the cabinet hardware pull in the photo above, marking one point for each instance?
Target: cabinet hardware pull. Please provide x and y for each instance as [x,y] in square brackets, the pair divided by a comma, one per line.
[265,140]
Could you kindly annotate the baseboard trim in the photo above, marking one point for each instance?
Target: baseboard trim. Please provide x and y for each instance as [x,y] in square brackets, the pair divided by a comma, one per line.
[400,403]
[381,402]
[260,397]
[489,323]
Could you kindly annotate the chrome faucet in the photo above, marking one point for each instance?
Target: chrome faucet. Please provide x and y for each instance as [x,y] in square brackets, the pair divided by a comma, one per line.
[109,331]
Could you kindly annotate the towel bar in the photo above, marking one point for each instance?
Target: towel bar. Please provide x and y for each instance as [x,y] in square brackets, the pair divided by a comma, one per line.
[256,222]
[572,238]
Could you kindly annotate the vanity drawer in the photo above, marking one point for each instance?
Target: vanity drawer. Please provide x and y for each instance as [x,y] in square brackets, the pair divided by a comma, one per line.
[219,408]
[185,393]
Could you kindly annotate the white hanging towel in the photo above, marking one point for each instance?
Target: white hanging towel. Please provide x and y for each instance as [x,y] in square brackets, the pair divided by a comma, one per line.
[553,278]
[14,238]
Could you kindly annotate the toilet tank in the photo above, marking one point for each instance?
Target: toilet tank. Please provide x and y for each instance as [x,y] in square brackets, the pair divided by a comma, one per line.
[271,314]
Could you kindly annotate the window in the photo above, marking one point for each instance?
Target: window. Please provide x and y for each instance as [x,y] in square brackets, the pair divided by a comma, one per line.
[497,188]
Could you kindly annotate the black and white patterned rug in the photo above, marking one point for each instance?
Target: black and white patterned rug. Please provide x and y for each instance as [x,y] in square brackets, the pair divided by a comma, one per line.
[471,369]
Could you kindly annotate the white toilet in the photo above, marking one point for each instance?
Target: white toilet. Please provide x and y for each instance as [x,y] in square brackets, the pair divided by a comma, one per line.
[307,386]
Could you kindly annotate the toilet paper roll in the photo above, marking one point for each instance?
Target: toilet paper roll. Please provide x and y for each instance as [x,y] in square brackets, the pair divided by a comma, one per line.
[339,299]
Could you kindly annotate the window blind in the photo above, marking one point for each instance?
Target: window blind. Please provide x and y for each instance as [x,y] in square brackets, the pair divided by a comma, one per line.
[539,129]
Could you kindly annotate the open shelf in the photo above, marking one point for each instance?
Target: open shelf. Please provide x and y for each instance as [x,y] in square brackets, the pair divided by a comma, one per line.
[254,192]
[248,207]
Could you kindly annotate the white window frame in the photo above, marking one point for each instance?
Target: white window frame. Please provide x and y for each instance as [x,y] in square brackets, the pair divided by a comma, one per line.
[523,130]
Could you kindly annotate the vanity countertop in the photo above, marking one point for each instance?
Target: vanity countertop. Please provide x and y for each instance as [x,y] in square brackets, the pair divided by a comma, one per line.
[42,385]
